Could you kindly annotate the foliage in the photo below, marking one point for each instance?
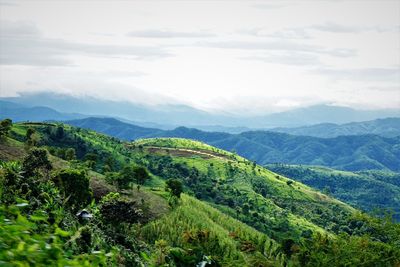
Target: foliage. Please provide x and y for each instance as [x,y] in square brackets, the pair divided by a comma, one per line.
[36,162]
[31,241]
[115,209]
[174,186]
[345,251]
[74,184]
[5,127]
[130,174]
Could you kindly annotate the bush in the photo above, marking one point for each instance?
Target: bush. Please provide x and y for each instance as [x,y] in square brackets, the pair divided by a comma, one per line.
[74,184]
[5,127]
[174,186]
[115,210]
[36,163]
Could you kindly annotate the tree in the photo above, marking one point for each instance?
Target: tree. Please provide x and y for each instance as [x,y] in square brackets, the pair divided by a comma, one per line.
[74,184]
[70,154]
[91,159]
[29,132]
[174,186]
[130,174]
[109,163]
[115,210]
[5,127]
[124,178]
[32,138]
[60,132]
[141,175]
[35,162]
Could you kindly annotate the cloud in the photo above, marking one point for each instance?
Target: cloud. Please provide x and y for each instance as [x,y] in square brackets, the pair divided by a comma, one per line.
[23,44]
[269,6]
[362,74]
[287,33]
[3,3]
[168,34]
[333,27]
[282,45]
[291,33]
[289,58]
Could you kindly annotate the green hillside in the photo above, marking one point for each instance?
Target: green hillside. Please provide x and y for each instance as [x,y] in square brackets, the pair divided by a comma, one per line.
[233,212]
[229,181]
[367,190]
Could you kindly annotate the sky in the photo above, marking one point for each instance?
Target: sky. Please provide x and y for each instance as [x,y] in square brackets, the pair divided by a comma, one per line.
[231,57]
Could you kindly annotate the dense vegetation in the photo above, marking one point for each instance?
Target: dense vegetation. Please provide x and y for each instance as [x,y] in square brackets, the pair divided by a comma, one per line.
[232,212]
[367,190]
[352,153]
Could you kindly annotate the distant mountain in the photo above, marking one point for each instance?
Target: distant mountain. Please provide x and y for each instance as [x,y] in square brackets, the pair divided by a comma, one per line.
[388,127]
[320,114]
[191,117]
[18,112]
[162,114]
[353,153]
[115,128]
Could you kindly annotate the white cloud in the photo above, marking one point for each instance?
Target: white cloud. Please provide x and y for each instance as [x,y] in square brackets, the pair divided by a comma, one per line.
[168,34]
[230,56]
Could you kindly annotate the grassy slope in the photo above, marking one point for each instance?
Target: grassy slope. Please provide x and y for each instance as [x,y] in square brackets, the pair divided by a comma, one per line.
[282,192]
[224,235]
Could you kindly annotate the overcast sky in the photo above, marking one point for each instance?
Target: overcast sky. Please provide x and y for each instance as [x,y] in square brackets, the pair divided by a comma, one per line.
[230,56]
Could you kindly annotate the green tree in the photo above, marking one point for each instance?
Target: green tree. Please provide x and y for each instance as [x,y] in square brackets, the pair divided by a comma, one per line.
[90,159]
[60,132]
[115,210]
[74,184]
[31,137]
[141,175]
[174,186]
[36,162]
[70,154]
[124,178]
[5,127]
[130,174]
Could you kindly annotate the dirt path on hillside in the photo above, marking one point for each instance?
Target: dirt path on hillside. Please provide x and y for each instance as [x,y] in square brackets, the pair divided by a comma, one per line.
[185,152]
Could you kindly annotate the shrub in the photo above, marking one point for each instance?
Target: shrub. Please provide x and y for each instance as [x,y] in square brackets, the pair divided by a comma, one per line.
[36,162]
[174,186]
[74,184]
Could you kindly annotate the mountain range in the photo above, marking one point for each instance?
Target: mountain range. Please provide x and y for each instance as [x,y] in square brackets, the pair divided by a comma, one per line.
[388,127]
[169,116]
[356,152]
